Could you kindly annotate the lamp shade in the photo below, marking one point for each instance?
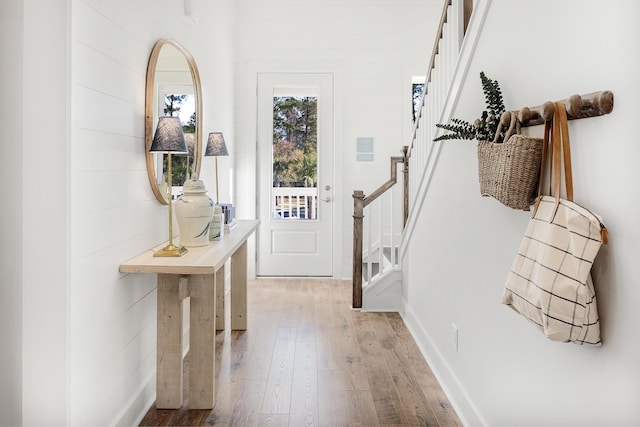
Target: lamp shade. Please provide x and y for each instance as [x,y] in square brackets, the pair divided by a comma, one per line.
[190,139]
[169,137]
[216,145]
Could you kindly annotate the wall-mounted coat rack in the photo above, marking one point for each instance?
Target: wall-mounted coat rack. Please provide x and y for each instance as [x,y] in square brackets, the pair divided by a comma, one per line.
[578,107]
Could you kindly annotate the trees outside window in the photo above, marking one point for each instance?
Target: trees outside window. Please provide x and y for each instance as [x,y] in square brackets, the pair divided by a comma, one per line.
[295,139]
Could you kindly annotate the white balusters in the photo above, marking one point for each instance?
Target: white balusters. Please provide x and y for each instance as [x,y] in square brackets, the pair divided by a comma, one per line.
[440,76]
[382,231]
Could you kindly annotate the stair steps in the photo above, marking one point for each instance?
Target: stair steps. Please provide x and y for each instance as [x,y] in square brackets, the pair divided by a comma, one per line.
[383,291]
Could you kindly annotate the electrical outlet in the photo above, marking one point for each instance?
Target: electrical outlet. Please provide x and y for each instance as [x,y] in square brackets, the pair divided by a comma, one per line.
[454,336]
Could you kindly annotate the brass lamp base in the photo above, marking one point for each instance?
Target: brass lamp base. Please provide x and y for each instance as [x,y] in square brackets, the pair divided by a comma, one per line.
[171,251]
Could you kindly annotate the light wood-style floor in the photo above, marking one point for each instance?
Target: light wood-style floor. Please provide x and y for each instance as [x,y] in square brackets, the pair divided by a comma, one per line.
[306,359]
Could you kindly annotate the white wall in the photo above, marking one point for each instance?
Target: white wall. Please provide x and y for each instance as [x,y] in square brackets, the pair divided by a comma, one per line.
[79,337]
[372,47]
[11,42]
[45,196]
[505,372]
[34,266]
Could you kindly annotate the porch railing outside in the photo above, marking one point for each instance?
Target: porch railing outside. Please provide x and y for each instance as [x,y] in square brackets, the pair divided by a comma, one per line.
[294,203]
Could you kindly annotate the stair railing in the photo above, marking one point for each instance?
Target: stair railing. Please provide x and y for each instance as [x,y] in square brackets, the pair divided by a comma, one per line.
[385,234]
[440,71]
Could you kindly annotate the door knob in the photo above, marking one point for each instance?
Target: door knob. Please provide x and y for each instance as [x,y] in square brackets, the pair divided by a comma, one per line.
[326,199]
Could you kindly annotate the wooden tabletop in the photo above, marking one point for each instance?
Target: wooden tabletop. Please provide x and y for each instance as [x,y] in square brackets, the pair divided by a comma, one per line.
[198,260]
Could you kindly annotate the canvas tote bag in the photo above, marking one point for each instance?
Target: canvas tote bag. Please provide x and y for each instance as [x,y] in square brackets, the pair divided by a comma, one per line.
[550,279]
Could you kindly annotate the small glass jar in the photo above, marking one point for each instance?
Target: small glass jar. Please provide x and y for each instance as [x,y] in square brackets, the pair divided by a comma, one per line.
[217,221]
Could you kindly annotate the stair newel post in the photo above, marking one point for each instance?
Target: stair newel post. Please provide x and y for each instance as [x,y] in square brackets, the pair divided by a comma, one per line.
[358,215]
[405,176]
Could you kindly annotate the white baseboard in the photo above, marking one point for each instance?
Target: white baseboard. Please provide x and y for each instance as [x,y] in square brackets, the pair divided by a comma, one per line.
[460,400]
[138,406]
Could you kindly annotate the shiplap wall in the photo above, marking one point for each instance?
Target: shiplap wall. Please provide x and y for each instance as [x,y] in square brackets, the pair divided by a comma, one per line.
[372,47]
[114,214]
[505,372]
[82,335]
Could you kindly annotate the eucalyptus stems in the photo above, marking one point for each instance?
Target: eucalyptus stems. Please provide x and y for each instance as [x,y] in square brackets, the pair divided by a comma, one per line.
[484,128]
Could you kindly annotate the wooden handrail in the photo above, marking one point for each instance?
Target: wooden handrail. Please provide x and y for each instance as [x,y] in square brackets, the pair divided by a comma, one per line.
[431,66]
[392,180]
[436,43]
[467,11]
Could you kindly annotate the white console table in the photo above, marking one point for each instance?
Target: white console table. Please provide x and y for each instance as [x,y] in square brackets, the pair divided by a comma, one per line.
[198,275]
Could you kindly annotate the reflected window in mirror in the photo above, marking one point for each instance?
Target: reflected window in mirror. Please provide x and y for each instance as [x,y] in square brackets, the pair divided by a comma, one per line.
[178,101]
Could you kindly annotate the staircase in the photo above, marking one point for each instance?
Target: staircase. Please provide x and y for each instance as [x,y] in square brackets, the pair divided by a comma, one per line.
[382,280]
[378,224]
[376,270]
[371,265]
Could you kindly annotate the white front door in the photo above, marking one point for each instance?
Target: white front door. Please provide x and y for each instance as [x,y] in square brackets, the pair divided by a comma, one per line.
[295,173]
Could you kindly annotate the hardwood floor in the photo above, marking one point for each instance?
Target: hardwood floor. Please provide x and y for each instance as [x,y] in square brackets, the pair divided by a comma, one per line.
[306,359]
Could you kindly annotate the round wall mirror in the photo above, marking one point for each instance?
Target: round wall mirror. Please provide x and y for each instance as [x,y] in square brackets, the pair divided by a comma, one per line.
[173,89]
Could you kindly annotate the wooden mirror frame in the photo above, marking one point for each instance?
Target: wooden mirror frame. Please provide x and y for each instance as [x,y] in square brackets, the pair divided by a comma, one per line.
[151,107]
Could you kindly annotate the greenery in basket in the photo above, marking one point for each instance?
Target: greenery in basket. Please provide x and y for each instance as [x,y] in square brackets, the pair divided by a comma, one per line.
[484,128]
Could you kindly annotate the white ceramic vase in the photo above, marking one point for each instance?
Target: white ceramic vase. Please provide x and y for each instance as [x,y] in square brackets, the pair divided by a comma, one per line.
[194,210]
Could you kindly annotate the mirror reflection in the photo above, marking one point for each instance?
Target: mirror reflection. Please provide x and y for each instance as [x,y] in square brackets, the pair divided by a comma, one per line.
[173,89]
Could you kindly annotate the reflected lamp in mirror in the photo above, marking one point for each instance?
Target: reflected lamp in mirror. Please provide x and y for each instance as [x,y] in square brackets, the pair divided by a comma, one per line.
[169,139]
[188,159]
[216,147]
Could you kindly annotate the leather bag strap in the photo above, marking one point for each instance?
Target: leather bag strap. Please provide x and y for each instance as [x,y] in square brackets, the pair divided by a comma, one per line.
[561,152]
[546,156]
[561,155]
[556,149]
[556,155]
[566,150]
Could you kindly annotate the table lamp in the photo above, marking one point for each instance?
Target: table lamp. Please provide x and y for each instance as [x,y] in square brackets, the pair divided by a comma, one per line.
[190,139]
[168,139]
[216,147]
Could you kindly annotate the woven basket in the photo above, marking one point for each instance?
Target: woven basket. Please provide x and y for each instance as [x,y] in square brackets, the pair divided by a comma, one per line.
[509,171]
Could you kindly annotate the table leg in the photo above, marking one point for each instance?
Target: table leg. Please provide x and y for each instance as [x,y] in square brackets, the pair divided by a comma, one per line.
[169,352]
[220,299]
[202,346]
[239,288]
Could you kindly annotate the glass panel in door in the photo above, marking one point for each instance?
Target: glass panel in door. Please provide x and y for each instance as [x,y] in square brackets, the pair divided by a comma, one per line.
[294,194]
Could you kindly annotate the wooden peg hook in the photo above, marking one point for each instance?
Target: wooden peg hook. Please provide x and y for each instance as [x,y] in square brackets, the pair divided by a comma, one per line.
[578,107]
